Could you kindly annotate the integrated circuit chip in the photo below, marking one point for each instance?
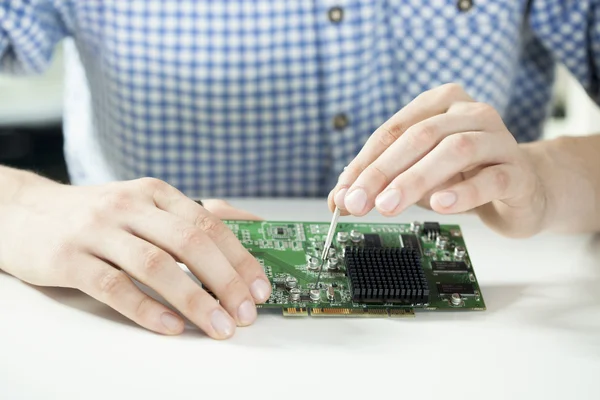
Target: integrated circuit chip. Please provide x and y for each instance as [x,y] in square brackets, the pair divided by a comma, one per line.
[464,289]
[280,232]
[386,275]
[372,240]
[431,229]
[410,241]
[449,266]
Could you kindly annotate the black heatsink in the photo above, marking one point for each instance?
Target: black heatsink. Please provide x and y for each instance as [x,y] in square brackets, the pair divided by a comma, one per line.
[386,275]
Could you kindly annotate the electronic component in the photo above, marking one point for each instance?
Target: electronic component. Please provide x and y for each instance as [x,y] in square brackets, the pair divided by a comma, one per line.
[291,282]
[356,236]
[331,293]
[343,237]
[295,294]
[333,263]
[410,241]
[315,294]
[389,261]
[431,229]
[464,289]
[416,227]
[441,242]
[459,252]
[386,275]
[372,240]
[280,232]
[313,263]
[449,266]
[455,299]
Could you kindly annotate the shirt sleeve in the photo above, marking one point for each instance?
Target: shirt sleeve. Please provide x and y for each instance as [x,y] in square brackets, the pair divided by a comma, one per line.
[570,30]
[29,32]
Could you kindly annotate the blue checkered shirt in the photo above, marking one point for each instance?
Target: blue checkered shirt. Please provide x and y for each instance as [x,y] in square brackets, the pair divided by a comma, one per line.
[275,97]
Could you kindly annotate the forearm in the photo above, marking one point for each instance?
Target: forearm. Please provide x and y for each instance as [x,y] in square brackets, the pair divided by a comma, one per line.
[569,171]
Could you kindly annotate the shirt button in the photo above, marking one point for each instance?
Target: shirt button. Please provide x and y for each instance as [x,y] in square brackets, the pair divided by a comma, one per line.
[336,14]
[465,5]
[340,121]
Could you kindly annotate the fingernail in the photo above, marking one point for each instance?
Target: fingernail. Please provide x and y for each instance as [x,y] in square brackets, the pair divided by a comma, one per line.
[260,290]
[171,322]
[356,201]
[389,200]
[339,198]
[221,323]
[247,312]
[446,199]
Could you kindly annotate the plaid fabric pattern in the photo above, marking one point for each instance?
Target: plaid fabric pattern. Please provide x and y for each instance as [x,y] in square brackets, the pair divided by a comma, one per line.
[274,97]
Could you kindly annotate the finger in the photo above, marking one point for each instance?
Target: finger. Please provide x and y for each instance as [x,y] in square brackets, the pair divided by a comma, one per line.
[455,154]
[426,105]
[115,289]
[173,202]
[425,201]
[225,211]
[497,182]
[159,271]
[416,142]
[331,204]
[201,255]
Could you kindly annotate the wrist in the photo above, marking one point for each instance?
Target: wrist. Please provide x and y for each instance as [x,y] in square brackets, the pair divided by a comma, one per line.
[564,167]
[14,183]
[542,157]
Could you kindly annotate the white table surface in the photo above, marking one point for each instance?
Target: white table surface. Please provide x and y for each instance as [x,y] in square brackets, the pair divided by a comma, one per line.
[538,339]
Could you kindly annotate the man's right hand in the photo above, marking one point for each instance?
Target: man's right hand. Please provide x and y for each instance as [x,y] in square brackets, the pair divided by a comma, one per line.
[96,239]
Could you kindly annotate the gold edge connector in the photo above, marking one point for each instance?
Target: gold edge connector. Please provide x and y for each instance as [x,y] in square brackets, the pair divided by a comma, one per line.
[370,313]
[329,312]
[295,312]
[402,313]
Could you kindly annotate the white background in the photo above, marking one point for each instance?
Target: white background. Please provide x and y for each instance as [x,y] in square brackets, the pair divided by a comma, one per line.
[538,339]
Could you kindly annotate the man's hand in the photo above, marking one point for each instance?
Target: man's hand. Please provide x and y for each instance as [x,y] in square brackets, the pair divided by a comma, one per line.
[448,152]
[97,238]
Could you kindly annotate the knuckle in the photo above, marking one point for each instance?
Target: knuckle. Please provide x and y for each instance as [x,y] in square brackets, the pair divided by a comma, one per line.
[212,226]
[450,91]
[416,182]
[501,181]
[472,193]
[351,172]
[153,261]
[233,284]
[461,145]
[483,109]
[111,283]
[153,184]
[193,303]
[375,170]
[142,308]
[386,136]
[421,137]
[191,237]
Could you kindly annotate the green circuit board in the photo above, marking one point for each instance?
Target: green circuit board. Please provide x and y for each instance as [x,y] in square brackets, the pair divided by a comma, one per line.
[371,270]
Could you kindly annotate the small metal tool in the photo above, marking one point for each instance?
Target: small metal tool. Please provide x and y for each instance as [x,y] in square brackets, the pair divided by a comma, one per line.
[330,233]
[328,240]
